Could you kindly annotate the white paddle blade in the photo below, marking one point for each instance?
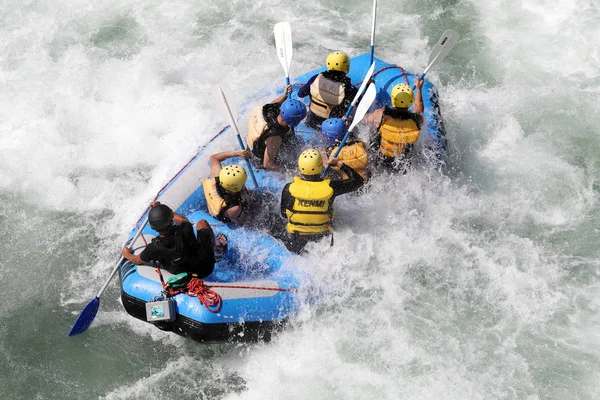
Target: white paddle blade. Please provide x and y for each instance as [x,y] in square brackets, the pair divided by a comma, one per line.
[283,43]
[364,105]
[361,89]
[225,101]
[443,47]
[365,82]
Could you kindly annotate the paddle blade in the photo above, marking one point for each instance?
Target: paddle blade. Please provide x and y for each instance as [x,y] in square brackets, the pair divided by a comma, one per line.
[225,101]
[364,105]
[365,81]
[86,317]
[283,43]
[361,89]
[442,48]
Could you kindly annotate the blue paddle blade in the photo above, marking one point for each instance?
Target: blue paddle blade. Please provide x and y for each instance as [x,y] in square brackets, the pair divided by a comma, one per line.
[86,317]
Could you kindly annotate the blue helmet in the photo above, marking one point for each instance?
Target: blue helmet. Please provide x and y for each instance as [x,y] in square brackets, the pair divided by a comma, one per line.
[292,112]
[333,129]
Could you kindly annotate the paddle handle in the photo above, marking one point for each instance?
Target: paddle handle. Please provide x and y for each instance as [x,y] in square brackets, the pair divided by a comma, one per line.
[241,143]
[337,152]
[287,83]
[116,268]
[349,110]
[422,76]
[373,30]
[239,137]
[361,89]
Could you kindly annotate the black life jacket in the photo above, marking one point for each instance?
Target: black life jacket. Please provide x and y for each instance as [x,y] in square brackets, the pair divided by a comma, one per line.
[179,254]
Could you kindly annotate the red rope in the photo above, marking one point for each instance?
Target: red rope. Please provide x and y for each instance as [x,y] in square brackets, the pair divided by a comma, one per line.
[254,287]
[210,299]
[390,67]
[196,288]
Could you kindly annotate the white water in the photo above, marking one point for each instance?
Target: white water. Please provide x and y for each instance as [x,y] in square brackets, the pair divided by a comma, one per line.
[481,283]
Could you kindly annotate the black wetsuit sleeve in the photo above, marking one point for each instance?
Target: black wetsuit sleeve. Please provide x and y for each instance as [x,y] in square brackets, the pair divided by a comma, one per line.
[188,232]
[287,200]
[150,253]
[305,90]
[353,182]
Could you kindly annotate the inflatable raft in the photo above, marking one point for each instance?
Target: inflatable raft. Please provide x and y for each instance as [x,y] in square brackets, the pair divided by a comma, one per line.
[260,284]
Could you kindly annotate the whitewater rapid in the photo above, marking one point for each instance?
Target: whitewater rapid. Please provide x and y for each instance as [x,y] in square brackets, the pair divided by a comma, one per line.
[478,282]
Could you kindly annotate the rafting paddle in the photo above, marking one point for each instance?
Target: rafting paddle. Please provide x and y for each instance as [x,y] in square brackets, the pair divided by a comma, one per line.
[361,111]
[361,89]
[283,43]
[441,49]
[373,30]
[228,109]
[89,312]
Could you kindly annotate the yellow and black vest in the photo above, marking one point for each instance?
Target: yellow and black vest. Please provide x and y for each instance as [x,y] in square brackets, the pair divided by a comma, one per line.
[216,203]
[396,134]
[355,156]
[310,214]
[325,94]
[257,126]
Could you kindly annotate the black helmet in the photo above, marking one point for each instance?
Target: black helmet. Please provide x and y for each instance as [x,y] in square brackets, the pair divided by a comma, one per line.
[160,217]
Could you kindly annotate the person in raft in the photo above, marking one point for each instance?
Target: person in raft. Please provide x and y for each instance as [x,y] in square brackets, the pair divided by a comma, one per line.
[176,248]
[226,195]
[331,92]
[353,154]
[271,128]
[307,202]
[397,128]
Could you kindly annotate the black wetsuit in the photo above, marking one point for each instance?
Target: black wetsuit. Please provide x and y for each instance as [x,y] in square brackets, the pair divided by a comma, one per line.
[178,250]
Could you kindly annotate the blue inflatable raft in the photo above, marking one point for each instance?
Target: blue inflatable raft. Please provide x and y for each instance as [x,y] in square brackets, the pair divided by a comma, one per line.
[260,283]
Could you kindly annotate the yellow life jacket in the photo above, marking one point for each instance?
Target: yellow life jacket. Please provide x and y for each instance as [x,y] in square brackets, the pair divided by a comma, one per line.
[324,95]
[396,134]
[214,202]
[256,126]
[310,214]
[355,156]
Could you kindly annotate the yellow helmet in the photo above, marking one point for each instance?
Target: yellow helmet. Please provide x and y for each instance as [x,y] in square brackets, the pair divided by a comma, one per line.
[402,96]
[338,61]
[233,177]
[310,162]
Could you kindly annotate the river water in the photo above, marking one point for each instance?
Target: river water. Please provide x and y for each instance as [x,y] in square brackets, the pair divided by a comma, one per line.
[480,282]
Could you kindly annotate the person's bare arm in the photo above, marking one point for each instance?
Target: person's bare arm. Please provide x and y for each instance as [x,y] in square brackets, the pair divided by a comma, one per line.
[179,219]
[283,97]
[216,159]
[128,254]
[234,214]
[272,149]
[418,107]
